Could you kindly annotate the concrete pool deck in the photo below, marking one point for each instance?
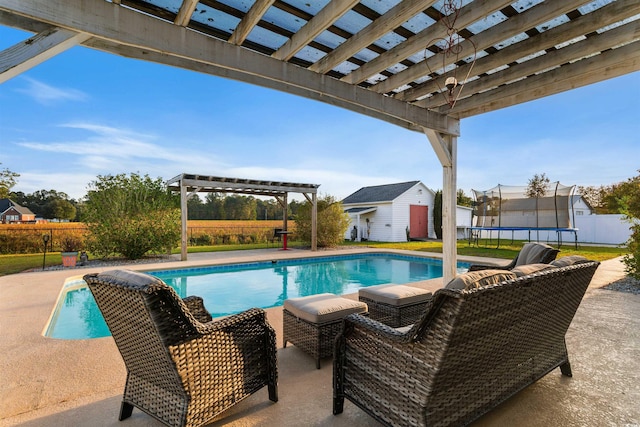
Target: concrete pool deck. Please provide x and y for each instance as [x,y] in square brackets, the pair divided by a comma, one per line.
[46,382]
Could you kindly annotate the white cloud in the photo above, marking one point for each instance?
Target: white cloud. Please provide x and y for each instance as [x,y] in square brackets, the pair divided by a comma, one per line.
[47,95]
[112,149]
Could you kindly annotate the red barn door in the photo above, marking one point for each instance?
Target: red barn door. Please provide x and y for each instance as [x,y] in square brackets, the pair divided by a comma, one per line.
[418,221]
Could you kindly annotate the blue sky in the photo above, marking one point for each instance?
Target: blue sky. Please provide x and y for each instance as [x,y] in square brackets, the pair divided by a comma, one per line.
[86,113]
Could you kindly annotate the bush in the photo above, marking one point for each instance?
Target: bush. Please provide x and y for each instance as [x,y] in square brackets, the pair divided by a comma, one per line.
[628,199]
[131,216]
[332,222]
[632,259]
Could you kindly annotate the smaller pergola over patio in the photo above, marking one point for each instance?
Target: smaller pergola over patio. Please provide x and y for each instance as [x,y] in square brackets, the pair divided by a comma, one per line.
[187,185]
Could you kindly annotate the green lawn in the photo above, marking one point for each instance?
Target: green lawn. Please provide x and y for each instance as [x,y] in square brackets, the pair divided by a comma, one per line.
[11,264]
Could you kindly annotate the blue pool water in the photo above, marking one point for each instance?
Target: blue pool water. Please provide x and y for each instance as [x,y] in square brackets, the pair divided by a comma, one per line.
[231,289]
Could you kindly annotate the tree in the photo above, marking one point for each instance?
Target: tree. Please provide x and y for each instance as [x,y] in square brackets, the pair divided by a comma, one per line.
[215,206]
[49,204]
[627,198]
[437,214]
[195,208]
[7,181]
[462,199]
[131,216]
[62,209]
[332,222]
[240,207]
[538,186]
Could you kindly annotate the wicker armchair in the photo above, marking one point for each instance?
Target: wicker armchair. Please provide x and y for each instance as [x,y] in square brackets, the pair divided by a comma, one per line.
[470,351]
[531,253]
[182,368]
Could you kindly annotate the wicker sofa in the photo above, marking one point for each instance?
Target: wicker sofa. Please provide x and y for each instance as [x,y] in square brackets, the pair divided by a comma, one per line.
[471,349]
[183,368]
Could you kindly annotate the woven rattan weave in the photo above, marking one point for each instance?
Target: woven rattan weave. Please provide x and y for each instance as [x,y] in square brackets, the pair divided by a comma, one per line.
[395,316]
[314,339]
[183,368]
[470,351]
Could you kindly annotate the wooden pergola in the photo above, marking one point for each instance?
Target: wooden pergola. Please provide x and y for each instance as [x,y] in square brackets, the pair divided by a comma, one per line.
[187,185]
[420,64]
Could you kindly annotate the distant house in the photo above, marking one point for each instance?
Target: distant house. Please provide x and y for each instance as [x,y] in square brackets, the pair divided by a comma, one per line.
[581,206]
[13,213]
[385,213]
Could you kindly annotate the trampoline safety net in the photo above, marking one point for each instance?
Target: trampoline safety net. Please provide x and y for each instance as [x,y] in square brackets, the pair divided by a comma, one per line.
[508,206]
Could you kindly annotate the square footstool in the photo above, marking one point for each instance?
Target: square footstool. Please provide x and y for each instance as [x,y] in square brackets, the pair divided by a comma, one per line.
[395,305]
[312,323]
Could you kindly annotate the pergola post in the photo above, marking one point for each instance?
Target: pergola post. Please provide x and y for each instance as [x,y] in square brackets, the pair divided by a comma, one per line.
[183,221]
[446,148]
[285,212]
[314,222]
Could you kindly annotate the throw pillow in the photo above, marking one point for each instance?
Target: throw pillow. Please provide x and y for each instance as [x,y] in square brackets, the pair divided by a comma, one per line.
[476,279]
[533,252]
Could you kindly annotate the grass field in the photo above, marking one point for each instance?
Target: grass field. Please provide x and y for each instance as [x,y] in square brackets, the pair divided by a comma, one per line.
[11,264]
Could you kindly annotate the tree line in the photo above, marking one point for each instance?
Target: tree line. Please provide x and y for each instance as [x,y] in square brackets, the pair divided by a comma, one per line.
[57,205]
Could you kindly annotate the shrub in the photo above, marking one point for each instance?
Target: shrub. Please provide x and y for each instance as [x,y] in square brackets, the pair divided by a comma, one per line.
[131,216]
[70,244]
[332,222]
[632,259]
[628,200]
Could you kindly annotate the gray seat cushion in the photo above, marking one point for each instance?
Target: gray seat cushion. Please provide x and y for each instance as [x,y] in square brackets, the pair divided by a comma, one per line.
[397,295]
[476,279]
[524,270]
[323,308]
[569,260]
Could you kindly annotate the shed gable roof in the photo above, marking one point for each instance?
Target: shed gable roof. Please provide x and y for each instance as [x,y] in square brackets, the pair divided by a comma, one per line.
[379,193]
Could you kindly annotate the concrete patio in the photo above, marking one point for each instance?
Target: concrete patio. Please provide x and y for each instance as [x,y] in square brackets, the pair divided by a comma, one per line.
[50,382]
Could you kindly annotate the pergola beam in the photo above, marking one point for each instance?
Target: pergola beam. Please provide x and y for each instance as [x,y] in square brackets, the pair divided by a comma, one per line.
[37,49]
[117,25]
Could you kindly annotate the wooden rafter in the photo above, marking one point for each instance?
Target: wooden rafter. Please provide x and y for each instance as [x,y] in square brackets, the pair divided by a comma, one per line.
[585,24]
[381,26]
[327,16]
[184,14]
[249,21]
[536,15]
[468,15]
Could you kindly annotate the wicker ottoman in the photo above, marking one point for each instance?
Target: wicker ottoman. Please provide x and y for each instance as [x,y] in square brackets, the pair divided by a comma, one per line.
[312,323]
[395,305]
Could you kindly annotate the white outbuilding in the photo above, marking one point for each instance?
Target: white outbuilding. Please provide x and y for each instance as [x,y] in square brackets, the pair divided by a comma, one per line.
[397,213]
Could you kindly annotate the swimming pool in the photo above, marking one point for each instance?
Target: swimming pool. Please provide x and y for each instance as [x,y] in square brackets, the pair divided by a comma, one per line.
[229,289]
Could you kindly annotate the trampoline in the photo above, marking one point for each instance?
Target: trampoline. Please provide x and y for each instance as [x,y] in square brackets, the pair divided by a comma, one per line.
[509,208]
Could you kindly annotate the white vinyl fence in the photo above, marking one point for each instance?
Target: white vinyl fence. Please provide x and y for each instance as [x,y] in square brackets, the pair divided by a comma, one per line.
[610,229]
